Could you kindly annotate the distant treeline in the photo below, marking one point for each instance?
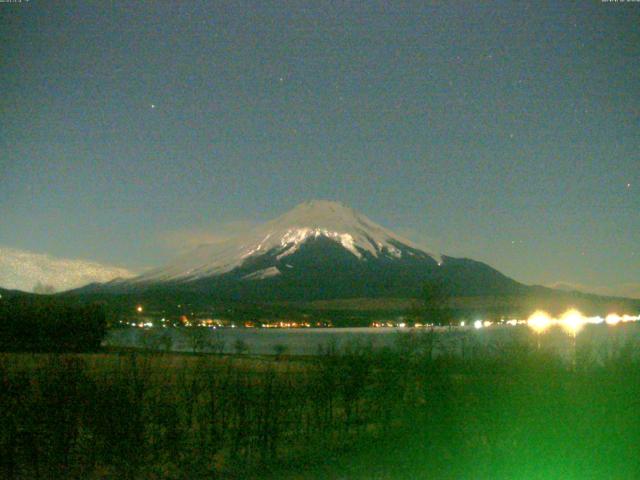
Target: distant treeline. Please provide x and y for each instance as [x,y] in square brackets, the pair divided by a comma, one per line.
[32,325]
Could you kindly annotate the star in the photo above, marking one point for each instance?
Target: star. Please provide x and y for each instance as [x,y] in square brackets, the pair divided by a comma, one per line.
[153,105]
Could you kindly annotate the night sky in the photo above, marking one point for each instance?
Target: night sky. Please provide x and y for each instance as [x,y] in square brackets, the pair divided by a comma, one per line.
[505,131]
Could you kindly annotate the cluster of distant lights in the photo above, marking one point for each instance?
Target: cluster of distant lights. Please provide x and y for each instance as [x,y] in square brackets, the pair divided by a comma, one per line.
[571,321]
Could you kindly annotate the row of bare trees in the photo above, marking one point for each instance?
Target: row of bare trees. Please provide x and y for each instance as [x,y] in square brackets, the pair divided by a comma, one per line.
[202,416]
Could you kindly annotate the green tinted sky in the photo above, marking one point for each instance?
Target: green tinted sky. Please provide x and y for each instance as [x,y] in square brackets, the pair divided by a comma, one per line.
[502,131]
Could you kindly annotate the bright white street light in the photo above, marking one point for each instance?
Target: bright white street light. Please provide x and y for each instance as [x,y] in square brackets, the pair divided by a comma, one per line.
[539,321]
[613,319]
[572,321]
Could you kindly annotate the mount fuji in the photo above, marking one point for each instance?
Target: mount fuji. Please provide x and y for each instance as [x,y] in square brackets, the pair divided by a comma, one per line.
[319,250]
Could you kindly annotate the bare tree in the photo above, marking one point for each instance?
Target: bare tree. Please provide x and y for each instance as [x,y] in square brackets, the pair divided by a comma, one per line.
[279,350]
[218,343]
[437,303]
[199,338]
[240,346]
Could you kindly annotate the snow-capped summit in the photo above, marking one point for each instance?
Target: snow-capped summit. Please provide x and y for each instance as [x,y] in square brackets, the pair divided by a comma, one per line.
[333,220]
[318,250]
[283,236]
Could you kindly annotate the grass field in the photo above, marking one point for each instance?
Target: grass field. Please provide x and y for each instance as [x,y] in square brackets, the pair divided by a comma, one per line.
[396,413]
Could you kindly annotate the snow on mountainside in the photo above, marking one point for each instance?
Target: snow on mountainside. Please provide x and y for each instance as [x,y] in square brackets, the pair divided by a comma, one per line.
[284,236]
[30,271]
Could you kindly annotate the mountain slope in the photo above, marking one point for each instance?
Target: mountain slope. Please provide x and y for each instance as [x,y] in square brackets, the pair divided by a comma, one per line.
[42,273]
[318,250]
[283,237]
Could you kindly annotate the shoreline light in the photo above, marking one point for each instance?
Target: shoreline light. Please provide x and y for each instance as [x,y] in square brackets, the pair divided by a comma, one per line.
[539,321]
[572,321]
[613,319]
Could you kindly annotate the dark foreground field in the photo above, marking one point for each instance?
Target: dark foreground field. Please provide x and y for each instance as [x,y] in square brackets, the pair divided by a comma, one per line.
[511,412]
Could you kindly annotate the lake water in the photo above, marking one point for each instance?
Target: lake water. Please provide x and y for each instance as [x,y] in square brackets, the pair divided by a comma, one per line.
[599,340]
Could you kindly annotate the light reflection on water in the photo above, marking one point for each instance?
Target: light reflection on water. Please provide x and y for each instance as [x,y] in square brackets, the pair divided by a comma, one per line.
[594,340]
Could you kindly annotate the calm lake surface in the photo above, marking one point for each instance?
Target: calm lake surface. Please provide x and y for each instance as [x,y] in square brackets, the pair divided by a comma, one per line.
[595,340]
